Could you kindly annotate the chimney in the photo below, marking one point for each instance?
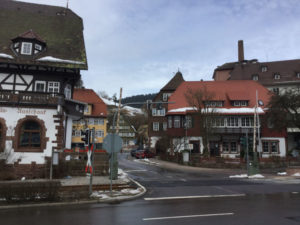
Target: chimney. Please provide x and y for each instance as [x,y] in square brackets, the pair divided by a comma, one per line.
[241,50]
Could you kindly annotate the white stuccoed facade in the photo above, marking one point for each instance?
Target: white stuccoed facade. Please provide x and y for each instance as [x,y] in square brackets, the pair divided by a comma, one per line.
[11,116]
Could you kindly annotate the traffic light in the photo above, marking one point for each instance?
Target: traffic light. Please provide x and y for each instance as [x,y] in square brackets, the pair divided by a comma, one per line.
[85,137]
[243,141]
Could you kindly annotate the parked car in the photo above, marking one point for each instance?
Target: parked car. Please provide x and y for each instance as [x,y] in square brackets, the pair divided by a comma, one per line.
[141,154]
[133,152]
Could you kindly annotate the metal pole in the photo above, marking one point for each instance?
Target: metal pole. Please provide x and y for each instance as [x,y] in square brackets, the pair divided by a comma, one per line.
[92,162]
[51,165]
[247,153]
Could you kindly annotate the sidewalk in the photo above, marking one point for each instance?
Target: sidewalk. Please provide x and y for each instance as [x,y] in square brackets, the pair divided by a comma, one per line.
[266,175]
[124,189]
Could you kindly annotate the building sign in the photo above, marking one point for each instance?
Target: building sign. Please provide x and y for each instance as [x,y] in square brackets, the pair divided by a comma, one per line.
[32,111]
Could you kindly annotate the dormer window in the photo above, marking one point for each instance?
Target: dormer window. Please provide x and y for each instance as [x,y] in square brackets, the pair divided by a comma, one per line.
[28,44]
[26,48]
[277,76]
[255,77]
[264,69]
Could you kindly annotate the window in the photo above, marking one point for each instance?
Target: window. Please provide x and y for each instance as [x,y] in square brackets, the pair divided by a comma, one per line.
[166,96]
[264,69]
[270,147]
[247,121]
[177,122]
[38,47]
[236,103]
[99,121]
[277,76]
[165,125]
[298,75]
[156,126]
[276,91]
[40,86]
[244,103]
[153,111]
[91,121]
[232,122]
[188,121]
[30,135]
[170,122]
[255,77]
[76,133]
[214,103]
[229,147]
[26,48]
[68,91]
[53,87]
[86,108]
[99,133]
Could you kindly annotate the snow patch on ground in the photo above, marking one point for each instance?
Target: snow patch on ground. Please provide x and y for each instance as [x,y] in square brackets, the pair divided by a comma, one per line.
[256,176]
[239,176]
[146,160]
[296,175]
[52,59]
[246,176]
[282,173]
[3,55]
[121,174]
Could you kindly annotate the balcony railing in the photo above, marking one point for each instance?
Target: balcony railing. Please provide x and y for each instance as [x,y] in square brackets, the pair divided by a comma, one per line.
[233,130]
[26,98]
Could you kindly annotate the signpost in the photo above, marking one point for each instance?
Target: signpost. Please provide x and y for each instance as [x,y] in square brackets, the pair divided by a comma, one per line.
[112,143]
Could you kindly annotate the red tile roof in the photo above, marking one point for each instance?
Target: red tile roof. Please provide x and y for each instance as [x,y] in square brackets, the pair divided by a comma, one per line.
[221,90]
[89,96]
[30,34]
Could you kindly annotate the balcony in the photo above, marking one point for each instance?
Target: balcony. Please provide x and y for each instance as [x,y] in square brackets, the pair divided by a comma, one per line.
[29,98]
[233,130]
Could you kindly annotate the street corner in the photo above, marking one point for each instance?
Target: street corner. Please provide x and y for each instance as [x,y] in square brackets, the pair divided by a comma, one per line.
[132,191]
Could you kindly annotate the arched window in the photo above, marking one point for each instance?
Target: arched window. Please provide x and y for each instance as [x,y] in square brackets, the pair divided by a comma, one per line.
[30,135]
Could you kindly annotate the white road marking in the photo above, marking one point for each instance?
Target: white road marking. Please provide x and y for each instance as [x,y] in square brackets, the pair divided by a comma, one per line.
[188,216]
[128,171]
[194,196]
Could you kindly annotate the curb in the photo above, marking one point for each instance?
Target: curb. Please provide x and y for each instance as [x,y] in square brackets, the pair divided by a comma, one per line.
[81,202]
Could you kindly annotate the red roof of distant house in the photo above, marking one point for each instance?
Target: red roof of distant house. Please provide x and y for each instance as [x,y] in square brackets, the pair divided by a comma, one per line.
[89,96]
[226,91]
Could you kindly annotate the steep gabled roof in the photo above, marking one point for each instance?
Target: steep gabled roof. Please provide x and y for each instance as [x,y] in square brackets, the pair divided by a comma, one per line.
[60,28]
[174,82]
[221,90]
[89,96]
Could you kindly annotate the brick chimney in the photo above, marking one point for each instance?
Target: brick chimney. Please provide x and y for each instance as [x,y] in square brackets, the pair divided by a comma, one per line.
[241,50]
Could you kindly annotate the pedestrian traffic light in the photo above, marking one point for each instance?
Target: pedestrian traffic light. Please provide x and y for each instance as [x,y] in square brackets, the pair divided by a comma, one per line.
[85,137]
[243,141]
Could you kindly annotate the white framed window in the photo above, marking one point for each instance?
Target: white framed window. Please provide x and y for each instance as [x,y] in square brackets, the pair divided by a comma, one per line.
[188,121]
[255,77]
[98,121]
[68,91]
[271,147]
[165,126]
[170,122]
[91,121]
[38,47]
[277,76]
[153,111]
[236,103]
[53,86]
[76,133]
[26,48]
[161,112]
[166,96]
[40,86]
[155,126]
[264,69]
[177,122]
[99,133]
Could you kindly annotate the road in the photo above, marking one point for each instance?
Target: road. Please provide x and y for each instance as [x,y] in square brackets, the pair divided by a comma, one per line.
[178,197]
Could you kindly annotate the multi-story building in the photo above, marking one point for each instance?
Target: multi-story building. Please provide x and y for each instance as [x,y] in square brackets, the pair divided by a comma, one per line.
[126,131]
[42,52]
[157,121]
[277,76]
[95,116]
[228,110]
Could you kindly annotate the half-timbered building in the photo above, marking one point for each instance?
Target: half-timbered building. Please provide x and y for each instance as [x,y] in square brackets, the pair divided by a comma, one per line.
[42,52]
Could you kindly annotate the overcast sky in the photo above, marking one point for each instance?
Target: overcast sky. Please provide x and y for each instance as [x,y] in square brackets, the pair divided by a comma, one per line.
[140,44]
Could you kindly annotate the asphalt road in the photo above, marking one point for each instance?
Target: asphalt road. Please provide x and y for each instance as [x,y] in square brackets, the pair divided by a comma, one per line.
[178,197]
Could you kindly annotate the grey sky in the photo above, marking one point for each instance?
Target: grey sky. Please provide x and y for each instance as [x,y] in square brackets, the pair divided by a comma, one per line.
[140,44]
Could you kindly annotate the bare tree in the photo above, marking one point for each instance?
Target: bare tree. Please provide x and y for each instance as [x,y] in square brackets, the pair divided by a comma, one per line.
[203,105]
